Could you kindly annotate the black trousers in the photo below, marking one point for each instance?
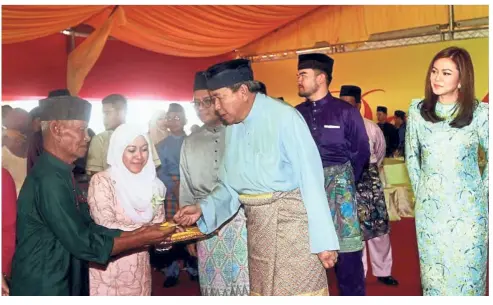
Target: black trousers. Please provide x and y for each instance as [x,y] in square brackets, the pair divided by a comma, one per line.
[177,252]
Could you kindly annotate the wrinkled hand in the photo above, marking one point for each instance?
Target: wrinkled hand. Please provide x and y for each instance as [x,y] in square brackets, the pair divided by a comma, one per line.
[328,258]
[188,215]
[155,234]
[192,249]
[134,232]
[5,287]
[139,230]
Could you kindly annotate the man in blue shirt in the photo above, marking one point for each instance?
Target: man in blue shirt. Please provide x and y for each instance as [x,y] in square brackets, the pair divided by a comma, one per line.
[169,172]
[270,165]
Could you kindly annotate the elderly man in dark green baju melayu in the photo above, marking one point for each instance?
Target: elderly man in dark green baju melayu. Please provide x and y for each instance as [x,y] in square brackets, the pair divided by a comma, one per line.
[56,237]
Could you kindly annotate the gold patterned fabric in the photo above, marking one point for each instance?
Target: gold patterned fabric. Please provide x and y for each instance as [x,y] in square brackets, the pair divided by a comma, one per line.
[400,201]
[399,196]
[279,257]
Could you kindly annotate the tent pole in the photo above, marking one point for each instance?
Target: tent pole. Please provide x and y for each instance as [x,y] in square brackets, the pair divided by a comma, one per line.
[70,41]
[451,21]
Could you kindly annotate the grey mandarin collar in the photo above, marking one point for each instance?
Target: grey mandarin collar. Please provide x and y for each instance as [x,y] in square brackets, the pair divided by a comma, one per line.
[215,128]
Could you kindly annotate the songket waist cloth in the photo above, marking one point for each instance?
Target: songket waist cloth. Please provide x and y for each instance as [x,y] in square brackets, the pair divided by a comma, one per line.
[279,256]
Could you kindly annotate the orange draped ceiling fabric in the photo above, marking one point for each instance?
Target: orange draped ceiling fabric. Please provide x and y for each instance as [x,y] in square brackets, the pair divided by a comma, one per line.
[185,31]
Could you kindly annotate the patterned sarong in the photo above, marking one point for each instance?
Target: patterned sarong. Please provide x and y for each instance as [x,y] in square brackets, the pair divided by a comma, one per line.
[372,211]
[340,188]
[171,201]
[279,256]
[223,260]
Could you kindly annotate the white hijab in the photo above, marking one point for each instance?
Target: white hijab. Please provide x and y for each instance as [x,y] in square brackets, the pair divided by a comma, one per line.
[157,134]
[134,191]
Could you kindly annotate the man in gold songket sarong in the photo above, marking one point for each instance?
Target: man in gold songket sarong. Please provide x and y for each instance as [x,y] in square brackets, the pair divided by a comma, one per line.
[272,167]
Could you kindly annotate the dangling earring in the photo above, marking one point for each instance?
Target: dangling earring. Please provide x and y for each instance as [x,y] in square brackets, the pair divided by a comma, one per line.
[458,86]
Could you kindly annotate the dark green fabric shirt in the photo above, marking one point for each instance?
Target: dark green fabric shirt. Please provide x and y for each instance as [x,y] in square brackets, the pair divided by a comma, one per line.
[56,235]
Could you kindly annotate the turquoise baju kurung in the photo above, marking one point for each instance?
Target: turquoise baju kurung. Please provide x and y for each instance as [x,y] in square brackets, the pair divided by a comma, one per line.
[451,200]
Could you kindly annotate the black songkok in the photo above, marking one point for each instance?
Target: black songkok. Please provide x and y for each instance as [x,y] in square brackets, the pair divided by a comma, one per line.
[400,114]
[200,82]
[382,109]
[228,73]
[354,91]
[316,61]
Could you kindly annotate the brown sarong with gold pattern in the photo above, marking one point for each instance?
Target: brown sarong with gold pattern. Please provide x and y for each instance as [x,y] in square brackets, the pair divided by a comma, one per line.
[279,257]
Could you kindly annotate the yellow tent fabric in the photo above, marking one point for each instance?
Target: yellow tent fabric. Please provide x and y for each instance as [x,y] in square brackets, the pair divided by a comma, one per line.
[345,23]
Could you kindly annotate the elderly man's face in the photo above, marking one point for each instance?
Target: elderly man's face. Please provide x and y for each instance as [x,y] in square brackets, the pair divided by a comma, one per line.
[229,105]
[73,138]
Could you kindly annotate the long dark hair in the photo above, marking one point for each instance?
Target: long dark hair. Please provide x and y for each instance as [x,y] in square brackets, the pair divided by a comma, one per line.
[466,102]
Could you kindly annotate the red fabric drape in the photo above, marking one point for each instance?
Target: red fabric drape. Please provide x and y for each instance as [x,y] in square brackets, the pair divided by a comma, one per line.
[185,31]
[178,30]
[31,69]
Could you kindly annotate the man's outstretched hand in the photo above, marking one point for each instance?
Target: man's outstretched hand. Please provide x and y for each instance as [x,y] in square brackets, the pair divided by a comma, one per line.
[188,215]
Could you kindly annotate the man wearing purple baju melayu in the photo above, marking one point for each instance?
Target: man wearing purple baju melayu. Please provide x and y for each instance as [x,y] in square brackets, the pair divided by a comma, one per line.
[339,132]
